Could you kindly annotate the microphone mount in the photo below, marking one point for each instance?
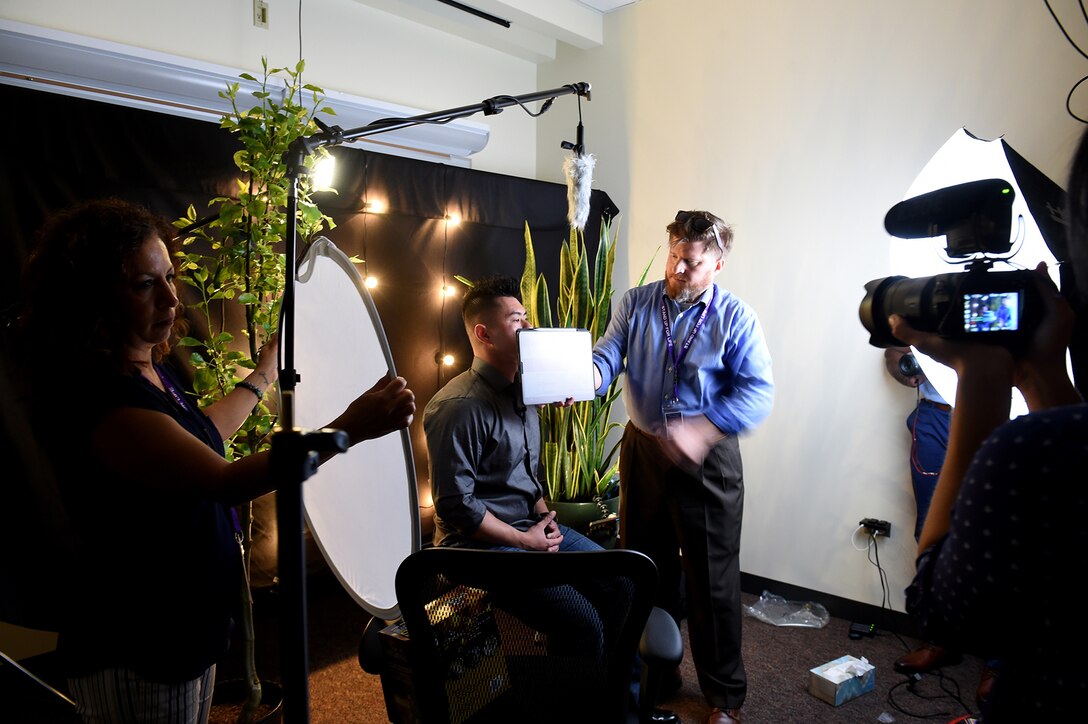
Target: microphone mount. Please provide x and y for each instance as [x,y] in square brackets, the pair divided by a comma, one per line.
[334,136]
[579,146]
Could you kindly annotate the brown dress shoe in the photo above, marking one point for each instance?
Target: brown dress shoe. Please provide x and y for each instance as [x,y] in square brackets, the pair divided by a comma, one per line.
[925,658]
[723,716]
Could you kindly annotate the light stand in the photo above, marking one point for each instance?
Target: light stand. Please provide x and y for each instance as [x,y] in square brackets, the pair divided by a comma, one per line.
[295,452]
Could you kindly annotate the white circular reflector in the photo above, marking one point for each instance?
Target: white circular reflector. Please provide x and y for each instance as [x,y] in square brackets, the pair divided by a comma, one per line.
[361,506]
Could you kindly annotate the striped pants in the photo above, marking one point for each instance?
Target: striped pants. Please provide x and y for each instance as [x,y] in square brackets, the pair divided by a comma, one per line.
[120,696]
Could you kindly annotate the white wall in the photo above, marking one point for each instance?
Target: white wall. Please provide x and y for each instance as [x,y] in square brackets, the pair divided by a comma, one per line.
[349,47]
[803,123]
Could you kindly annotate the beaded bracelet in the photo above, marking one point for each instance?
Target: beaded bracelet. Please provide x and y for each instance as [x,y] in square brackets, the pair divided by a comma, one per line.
[252,388]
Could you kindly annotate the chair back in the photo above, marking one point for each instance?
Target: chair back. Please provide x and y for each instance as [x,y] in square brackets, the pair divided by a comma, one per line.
[523,636]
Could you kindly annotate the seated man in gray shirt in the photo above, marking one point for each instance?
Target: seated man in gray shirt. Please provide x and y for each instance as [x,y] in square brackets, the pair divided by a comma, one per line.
[484,445]
[484,448]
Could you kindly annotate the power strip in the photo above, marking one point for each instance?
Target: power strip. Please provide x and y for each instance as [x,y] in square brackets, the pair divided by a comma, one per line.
[858,630]
[876,527]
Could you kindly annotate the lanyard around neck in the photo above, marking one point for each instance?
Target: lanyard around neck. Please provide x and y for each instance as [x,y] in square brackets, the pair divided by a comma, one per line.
[174,392]
[179,398]
[675,357]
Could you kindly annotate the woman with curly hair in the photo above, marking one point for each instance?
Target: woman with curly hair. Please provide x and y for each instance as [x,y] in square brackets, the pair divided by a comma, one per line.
[140,468]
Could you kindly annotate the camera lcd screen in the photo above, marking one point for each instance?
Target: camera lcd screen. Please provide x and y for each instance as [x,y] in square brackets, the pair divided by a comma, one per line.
[991,312]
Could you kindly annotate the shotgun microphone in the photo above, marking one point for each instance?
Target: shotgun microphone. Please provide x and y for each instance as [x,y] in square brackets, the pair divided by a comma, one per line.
[578,170]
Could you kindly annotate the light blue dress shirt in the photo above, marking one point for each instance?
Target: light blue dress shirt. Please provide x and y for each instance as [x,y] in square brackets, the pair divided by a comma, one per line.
[725,374]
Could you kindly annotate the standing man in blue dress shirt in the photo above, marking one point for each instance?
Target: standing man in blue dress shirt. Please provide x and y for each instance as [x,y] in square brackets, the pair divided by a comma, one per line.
[698,373]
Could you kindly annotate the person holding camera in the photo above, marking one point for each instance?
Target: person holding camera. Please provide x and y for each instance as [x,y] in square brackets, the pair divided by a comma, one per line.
[928,424]
[1003,536]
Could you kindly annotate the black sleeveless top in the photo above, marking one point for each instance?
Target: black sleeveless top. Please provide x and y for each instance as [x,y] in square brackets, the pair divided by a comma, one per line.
[159,573]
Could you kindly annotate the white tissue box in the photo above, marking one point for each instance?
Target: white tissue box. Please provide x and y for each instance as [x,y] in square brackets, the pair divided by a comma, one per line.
[841,680]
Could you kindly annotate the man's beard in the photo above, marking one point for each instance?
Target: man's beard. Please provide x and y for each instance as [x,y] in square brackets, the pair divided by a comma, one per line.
[682,292]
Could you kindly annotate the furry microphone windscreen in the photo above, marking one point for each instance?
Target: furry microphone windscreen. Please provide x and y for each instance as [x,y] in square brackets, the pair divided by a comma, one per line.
[578,169]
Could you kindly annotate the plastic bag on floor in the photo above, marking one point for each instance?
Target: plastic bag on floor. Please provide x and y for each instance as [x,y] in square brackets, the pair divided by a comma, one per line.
[778,611]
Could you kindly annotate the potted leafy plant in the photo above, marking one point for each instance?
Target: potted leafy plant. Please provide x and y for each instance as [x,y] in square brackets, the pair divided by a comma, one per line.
[579,448]
[234,264]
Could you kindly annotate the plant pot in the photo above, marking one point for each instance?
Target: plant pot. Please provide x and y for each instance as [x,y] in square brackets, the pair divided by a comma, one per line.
[229,696]
[578,515]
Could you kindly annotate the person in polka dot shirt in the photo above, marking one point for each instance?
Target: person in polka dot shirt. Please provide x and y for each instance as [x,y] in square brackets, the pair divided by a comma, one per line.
[1000,553]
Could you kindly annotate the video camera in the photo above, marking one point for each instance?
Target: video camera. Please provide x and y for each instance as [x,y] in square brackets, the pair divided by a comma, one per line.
[977,304]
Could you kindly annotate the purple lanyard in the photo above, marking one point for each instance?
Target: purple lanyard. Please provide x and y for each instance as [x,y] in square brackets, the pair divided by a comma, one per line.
[165,379]
[678,358]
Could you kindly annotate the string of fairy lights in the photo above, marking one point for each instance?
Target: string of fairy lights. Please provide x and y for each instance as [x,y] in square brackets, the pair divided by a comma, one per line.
[443,358]
[448,288]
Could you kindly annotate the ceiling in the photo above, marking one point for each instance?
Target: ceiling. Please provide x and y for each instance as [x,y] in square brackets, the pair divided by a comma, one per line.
[527,29]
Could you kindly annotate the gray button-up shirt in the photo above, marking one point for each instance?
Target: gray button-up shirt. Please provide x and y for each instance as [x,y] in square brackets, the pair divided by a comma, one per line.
[484,451]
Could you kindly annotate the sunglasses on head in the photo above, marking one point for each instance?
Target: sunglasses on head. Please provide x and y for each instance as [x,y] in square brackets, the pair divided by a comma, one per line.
[699,222]
[695,221]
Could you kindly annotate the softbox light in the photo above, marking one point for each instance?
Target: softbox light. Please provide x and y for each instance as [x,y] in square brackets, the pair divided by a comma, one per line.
[1036,231]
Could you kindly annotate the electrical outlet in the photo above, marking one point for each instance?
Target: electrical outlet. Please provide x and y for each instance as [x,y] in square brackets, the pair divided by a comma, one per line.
[876,527]
[260,13]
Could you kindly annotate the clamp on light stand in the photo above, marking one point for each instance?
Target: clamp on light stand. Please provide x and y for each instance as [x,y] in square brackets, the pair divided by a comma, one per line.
[334,134]
[297,450]
[295,453]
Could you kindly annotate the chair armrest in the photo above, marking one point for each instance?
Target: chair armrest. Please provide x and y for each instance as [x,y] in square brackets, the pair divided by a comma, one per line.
[661,642]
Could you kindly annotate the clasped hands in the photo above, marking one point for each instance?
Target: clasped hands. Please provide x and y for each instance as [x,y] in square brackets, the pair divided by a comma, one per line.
[544,535]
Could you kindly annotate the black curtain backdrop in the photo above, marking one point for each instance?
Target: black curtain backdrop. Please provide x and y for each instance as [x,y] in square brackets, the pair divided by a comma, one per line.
[62,150]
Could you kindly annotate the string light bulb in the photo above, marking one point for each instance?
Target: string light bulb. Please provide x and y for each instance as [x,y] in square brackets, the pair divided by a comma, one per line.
[444,359]
[453,219]
[371,281]
[374,207]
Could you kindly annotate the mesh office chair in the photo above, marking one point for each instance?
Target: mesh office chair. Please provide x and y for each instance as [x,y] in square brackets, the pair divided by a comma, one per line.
[497,636]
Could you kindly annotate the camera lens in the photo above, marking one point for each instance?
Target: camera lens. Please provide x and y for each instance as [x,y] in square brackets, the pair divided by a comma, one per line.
[908,366]
[994,307]
[883,297]
[922,301]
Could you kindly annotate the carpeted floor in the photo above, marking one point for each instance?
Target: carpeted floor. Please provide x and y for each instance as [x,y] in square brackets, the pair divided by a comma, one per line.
[778,660]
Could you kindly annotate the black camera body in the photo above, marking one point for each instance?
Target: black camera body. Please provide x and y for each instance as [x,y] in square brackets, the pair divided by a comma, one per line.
[977,304]
[994,307]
